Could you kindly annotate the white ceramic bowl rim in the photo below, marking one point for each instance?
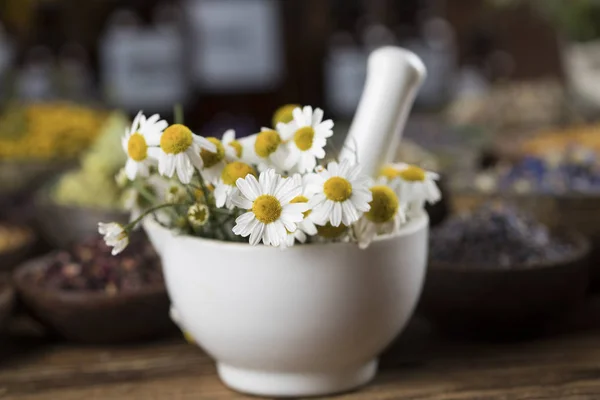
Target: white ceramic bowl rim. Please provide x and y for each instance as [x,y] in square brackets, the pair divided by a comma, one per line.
[414,225]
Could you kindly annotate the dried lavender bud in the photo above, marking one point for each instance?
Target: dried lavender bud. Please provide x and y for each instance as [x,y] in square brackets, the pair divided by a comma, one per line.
[496,235]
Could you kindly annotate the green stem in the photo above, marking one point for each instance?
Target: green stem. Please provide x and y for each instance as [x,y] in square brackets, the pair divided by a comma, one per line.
[178,114]
[145,213]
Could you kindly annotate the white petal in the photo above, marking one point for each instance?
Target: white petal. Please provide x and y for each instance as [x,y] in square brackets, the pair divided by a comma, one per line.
[279,230]
[131,169]
[184,168]
[317,117]
[204,143]
[350,214]
[250,227]
[333,168]
[256,234]
[308,227]
[362,206]
[344,168]
[168,164]
[193,154]
[153,137]
[267,234]
[240,201]
[307,112]
[245,218]
[228,136]
[295,210]
[318,153]
[288,223]
[299,117]
[301,236]
[249,187]
[326,126]
[321,213]
[221,192]
[153,119]
[336,215]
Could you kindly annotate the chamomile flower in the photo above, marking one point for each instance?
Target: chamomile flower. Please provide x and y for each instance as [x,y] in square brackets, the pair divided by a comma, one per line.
[225,187]
[270,214]
[414,185]
[176,193]
[136,144]
[115,236]
[384,217]
[306,136]
[234,149]
[213,161]
[341,194]
[181,152]
[268,151]
[198,215]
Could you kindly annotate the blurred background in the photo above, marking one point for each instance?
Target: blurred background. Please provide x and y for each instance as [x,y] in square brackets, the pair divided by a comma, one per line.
[509,109]
[496,69]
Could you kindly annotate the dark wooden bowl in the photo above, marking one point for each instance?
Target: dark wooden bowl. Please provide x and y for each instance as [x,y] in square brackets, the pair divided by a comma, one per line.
[7,301]
[484,301]
[10,258]
[577,212]
[92,317]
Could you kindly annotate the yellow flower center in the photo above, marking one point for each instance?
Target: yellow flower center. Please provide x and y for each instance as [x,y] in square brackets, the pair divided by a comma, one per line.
[234,171]
[237,146]
[304,138]
[211,159]
[337,189]
[412,174]
[284,114]
[383,206]
[198,214]
[176,139]
[331,232]
[266,208]
[389,172]
[137,148]
[301,199]
[266,143]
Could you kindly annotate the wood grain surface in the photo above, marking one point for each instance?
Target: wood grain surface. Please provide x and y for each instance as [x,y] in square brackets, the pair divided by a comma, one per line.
[420,365]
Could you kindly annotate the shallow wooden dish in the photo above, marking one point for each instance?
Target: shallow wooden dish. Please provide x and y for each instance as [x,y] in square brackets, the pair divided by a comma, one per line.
[63,225]
[483,301]
[10,258]
[92,317]
[580,213]
[7,301]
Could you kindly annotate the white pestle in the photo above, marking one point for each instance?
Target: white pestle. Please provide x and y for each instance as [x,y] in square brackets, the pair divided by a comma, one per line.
[394,76]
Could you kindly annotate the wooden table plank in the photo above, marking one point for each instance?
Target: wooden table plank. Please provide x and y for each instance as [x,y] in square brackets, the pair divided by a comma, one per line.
[420,366]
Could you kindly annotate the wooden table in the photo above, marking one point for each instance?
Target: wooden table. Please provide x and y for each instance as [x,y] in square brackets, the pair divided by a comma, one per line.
[419,365]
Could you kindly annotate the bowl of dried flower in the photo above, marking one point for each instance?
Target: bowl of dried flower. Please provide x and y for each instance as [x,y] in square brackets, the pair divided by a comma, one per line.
[88,296]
